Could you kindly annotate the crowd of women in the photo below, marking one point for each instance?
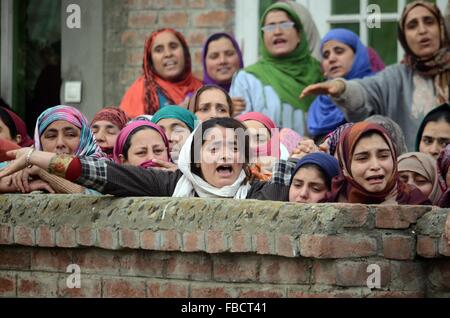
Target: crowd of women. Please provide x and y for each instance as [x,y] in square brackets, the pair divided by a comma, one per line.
[314,120]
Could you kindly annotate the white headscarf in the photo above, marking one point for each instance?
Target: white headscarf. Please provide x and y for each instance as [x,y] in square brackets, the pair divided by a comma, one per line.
[190,183]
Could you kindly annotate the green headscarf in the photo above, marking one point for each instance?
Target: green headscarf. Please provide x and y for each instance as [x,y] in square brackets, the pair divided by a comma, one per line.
[290,74]
[176,112]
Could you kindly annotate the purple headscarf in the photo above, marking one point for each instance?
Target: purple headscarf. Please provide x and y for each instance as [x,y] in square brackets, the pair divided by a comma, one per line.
[214,37]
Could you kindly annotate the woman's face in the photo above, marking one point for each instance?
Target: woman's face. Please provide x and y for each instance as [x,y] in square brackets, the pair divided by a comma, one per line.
[168,56]
[422,32]
[212,103]
[417,180]
[372,164]
[105,133]
[221,157]
[61,137]
[176,131]
[145,145]
[259,134]
[337,59]
[435,136]
[308,186]
[222,60]
[283,40]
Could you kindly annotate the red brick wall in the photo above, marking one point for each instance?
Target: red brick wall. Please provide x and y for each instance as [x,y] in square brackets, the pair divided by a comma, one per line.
[129,22]
[160,247]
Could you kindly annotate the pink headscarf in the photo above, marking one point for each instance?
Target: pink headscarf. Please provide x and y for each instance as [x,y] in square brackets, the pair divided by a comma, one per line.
[128,130]
[272,148]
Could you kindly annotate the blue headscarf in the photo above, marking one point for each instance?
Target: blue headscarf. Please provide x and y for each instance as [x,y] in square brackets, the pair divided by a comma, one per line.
[176,112]
[328,164]
[324,116]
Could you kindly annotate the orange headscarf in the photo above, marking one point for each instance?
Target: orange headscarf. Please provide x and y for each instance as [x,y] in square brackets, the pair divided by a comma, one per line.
[142,97]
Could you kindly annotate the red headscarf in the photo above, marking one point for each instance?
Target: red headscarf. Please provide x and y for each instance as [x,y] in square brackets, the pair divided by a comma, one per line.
[345,185]
[114,115]
[21,128]
[142,97]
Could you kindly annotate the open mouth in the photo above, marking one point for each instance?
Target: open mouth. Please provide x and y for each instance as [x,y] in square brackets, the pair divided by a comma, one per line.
[425,42]
[279,41]
[334,69]
[224,170]
[170,64]
[223,70]
[377,179]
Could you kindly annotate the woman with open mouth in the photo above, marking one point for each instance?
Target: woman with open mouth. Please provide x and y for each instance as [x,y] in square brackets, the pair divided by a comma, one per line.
[167,78]
[407,91]
[343,56]
[272,85]
[368,160]
[213,163]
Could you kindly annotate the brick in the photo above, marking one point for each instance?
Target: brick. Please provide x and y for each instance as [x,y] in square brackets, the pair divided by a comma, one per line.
[396,294]
[286,246]
[356,215]
[324,272]
[397,217]
[45,236]
[128,76]
[24,235]
[216,242]
[197,4]
[444,247]
[91,287]
[208,291]
[150,240]
[173,19]
[170,241]
[123,288]
[280,270]
[142,19]
[350,273]
[293,293]
[15,258]
[7,284]
[177,4]
[96,261]
[6,234]
[398,247]
[86,236]
[37,284]
[196,37]
[336,246]
[66,237]
[129,238]
[189,266]
[214,18]
[229,268]
[167,290]
[194,241]
[135,57]
[145,4]
[241,242]
[50,260]
[262,292]
[263,244]
[143,263]
[427,246]
[108,238]
[129,38]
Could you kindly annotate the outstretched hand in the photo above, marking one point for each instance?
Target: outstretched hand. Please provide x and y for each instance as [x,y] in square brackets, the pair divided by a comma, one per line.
[333,88]
[163,165]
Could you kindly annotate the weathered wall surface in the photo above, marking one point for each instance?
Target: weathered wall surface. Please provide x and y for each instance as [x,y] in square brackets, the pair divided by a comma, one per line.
[163,247]
[128,23]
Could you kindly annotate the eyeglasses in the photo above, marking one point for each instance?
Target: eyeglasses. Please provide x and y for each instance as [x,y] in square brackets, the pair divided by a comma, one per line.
[273,26]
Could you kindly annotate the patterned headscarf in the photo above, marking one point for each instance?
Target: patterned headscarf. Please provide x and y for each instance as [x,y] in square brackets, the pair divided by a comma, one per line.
[438,66]
[87,147]
[114,115]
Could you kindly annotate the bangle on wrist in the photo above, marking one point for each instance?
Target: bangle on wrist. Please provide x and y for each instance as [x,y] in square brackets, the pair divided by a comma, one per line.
[27,162]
